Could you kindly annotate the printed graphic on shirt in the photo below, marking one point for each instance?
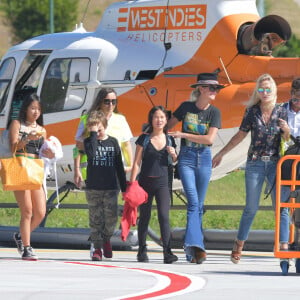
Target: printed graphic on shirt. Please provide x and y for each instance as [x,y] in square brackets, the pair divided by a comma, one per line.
[104,156]
[193,123]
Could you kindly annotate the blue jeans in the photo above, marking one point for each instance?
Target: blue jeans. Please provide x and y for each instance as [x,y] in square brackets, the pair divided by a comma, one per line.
[257,172]
[194,167]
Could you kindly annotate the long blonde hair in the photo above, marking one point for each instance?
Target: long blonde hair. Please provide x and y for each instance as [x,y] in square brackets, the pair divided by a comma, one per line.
[195,94]
[254,99]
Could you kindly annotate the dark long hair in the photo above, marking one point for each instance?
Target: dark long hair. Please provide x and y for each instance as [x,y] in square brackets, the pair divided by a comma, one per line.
[150,118]
[23,110]
[100,97]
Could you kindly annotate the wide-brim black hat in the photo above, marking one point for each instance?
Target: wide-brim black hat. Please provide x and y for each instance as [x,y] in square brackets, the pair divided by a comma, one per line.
[207,79]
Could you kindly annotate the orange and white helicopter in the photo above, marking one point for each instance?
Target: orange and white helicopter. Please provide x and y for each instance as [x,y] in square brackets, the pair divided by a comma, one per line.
[150,51]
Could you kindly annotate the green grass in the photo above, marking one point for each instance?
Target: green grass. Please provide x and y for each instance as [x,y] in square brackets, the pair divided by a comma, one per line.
[287,9]
[225,191]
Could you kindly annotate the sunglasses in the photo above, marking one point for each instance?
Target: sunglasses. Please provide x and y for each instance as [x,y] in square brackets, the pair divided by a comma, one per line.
[212,88]
[267,90]
[110,101]
[295,100]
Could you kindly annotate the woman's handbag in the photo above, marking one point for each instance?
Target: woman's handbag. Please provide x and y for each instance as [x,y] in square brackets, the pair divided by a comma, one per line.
[176,172]
[20,173]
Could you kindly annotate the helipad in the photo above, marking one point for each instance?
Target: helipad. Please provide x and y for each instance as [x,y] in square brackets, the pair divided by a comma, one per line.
[70,274]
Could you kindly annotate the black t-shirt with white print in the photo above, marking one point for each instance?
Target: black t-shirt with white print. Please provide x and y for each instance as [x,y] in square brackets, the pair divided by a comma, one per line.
[197,121]
[105,167]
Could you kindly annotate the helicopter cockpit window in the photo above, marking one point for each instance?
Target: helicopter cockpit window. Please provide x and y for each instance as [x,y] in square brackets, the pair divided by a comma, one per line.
[6,73]
[64,87]
[27,80]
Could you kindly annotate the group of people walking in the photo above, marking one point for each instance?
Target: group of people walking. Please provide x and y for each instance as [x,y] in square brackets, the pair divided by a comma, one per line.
[104,156]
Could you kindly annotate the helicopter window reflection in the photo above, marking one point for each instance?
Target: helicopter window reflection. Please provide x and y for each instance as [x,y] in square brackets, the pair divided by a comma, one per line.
[6,73]
[27,81]
[64,87]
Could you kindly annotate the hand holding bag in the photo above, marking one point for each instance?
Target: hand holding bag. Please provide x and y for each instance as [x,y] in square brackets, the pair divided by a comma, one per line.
[20,173]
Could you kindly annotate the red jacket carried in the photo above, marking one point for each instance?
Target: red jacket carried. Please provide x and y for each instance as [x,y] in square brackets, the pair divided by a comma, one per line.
[134,196]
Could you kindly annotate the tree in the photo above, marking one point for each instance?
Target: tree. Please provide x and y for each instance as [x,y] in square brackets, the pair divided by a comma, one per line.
[290,49]
[29,18]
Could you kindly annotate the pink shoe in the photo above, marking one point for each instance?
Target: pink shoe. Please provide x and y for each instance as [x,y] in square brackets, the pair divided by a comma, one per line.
[97,255]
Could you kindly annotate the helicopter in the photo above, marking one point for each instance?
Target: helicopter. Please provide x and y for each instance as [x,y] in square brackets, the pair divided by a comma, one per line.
[150,51]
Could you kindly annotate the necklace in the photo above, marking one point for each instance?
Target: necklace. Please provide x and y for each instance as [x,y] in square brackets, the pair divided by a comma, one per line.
[31,124]
[202,106]
[266,117]
[266,113]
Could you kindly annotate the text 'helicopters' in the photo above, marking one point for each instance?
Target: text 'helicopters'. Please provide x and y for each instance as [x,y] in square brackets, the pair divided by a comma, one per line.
[150,51]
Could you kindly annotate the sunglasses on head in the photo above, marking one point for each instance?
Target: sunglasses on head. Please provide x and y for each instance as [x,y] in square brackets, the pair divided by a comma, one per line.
[110,101]
[262,90]
[212,88]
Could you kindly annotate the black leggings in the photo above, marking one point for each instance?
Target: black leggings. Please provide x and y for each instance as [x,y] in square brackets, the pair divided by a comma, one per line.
[155,187]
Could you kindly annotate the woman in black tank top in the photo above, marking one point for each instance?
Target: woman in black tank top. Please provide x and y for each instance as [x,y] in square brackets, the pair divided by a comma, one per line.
[153,178]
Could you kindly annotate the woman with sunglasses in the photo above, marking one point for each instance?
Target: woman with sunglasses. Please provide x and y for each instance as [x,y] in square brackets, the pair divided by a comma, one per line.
[105,101]
[267,123]
[200,124]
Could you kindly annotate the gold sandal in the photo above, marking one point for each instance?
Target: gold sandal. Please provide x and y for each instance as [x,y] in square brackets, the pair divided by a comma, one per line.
[237,251]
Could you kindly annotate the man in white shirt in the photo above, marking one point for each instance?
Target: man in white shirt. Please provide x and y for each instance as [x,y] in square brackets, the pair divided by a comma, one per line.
[293,108]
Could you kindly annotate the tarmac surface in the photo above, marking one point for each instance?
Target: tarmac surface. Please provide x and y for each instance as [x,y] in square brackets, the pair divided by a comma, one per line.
[70,274]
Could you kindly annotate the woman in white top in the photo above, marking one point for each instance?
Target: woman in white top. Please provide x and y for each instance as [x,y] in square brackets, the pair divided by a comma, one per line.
[106,101]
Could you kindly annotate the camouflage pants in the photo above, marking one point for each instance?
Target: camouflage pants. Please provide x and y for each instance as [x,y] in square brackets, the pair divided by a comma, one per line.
[103,214]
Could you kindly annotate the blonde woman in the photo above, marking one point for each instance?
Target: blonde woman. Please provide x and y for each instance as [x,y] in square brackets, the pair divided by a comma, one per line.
[200,124]
[267,123]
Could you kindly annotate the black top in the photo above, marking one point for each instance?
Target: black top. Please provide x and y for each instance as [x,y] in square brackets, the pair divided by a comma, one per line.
[105,170]
[197,121]
[33,147]
[154,162]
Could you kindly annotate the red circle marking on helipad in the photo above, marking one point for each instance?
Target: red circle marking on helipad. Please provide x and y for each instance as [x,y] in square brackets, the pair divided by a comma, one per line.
[178,282]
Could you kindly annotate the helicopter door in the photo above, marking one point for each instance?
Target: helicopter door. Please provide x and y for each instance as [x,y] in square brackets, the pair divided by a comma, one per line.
[19,76]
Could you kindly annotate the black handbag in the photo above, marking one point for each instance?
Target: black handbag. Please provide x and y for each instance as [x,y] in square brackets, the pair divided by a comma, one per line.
[176,172]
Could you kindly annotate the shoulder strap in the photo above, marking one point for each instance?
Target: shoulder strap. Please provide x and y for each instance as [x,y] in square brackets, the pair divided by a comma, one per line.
[169,140]
[145,142]
[169,143]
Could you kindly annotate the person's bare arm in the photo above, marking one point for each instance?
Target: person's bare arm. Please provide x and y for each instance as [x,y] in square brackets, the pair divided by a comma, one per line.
[235,140]
[136,163]
[206,139]
[172,122]
[129,156]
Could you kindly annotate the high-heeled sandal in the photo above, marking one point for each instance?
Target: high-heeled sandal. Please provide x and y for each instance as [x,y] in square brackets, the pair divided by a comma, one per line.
[236,252]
